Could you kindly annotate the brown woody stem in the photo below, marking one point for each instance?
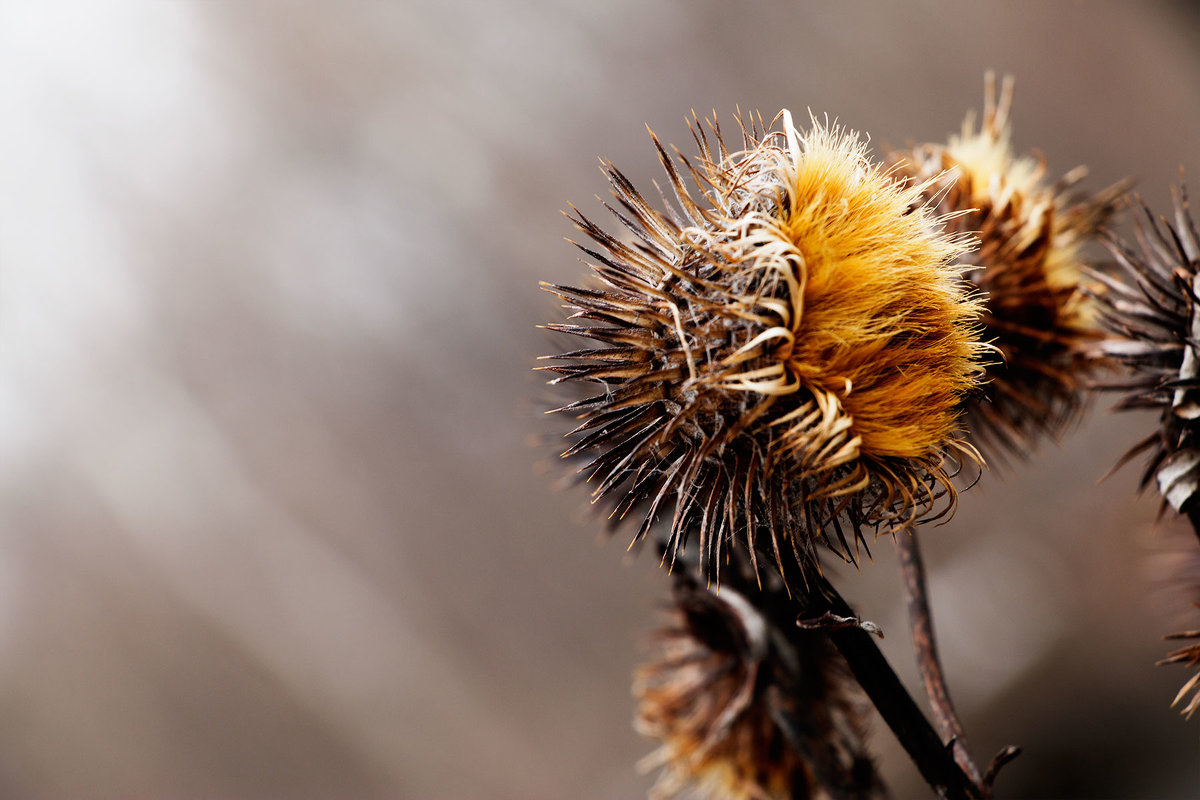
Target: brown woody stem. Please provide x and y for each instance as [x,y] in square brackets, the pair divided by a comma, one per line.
[889,696]
[925,646]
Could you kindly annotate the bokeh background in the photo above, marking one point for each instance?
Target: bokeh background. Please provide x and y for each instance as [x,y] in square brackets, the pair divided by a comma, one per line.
[276,516]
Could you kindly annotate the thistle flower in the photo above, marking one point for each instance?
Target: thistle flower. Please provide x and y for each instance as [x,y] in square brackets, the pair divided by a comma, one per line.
[1155,314]
[1028,261]
[744,711]
[782,355]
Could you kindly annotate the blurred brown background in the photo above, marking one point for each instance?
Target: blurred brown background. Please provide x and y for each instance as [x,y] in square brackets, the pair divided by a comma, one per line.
[273,524]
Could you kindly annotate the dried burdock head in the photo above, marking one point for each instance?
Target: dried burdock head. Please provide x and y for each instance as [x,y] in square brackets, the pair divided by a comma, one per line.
[1190,656]
[1152,307]
[1031,236]
[743,710]
[782,355]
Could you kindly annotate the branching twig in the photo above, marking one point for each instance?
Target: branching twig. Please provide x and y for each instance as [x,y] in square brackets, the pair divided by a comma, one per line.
[925,646]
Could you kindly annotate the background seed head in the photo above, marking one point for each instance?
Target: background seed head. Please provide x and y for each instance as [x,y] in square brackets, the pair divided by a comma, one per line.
[743,707]
[1028,259]
[1151,308]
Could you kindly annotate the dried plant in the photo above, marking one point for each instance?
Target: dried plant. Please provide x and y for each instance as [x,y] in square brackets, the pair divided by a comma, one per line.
[1153,310]
[1189,656]
[1029,260]
[782,355]
[747,707]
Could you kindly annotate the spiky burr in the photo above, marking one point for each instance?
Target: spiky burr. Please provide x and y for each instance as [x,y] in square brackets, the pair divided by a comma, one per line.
[1152,309]
[1188,656]
[1029,261]
[744,706]
[780,359]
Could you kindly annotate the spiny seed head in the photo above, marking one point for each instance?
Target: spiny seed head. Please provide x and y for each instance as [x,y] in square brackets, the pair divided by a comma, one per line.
[1028,261]
[1152,308]
[782,354]
[1189,656]
[743,710]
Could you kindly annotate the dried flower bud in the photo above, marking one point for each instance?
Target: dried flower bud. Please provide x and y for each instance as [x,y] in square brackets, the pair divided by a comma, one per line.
[1156,315]
[744,711]
[784,354]
[1028,261]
